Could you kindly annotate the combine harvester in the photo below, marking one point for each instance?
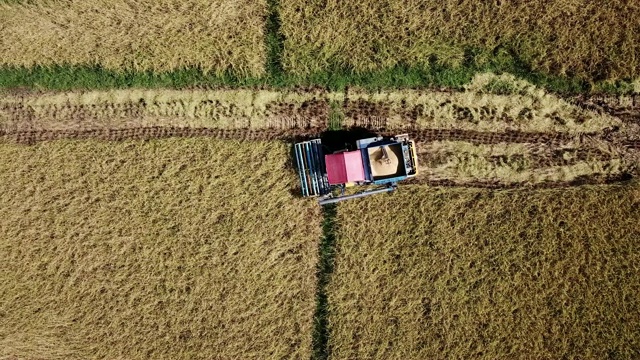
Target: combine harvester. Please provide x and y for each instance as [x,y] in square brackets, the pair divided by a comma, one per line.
[378,162]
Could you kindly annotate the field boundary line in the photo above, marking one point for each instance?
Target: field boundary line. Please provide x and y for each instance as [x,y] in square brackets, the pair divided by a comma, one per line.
[326,264]
[274,41]
[89,77]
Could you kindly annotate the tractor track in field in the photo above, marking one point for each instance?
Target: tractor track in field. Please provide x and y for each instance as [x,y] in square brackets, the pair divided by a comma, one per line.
[161,132]
[632,144]
[624,107]
[596,179]
[630,141]
[158,132]
[479,137]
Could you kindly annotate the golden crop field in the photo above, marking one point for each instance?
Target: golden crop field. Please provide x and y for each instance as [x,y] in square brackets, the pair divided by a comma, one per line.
[474,274]
[163,249]
[158,35]
[584,38]
[134,223]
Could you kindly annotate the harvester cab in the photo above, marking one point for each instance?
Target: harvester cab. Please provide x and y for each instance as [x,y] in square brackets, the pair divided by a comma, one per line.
[377,164]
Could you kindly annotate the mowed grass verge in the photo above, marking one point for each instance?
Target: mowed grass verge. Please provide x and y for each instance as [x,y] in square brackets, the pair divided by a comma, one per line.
[171,249]
[474,274]
[574,38]
[155,35]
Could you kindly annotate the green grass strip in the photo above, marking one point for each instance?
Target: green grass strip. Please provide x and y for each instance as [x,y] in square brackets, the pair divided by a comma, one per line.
[94,77]
[88,77]
[326,254]
[274,41]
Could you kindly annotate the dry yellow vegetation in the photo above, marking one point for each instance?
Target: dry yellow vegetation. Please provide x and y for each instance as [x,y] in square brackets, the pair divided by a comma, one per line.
[585,38]
[475,274]
[492,103]
[171,249]
[636,86]
[224,108]
[159,35]
[489,103]
[462,162]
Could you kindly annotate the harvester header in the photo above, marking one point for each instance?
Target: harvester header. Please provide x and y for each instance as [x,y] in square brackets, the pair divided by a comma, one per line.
[377,164]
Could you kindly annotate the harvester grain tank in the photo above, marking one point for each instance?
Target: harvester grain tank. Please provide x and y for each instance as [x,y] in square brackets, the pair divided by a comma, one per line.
[377,165]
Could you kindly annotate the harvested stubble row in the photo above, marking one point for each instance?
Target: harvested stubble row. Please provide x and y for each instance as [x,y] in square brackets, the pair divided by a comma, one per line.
[480,108]
[462,274]
[583,38]
[163,132]
[223,109]
[166,249]
[159,35]
[522,163]
[491,103]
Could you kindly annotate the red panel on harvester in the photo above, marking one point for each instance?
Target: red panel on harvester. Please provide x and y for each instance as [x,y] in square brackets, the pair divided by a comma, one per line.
[344,167]
[336,171]
[353,162]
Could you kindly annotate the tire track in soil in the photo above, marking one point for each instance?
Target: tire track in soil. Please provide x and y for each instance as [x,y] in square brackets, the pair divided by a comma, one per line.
[595,179]
[625,107]
[633,144]
[294,134]
[159,132]
[488,138]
